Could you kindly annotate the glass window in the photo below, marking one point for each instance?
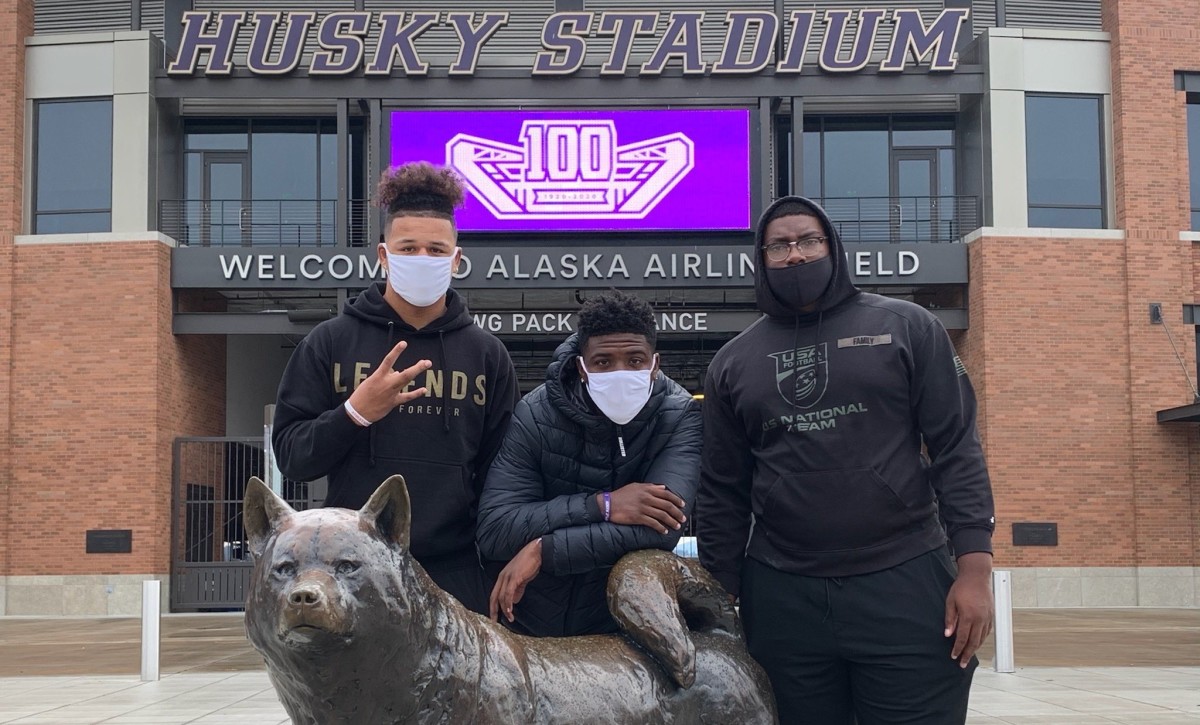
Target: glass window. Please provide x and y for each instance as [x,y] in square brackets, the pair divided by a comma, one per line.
[883,178]
[283,161]
[812,163]
[856,158]
[218,136]
[1065,217]
[267,181]
[73,167]
[1064,161]
[856,179]
[1193,121]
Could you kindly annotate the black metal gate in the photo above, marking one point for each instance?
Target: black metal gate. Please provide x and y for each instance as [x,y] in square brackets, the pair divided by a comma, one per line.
[210,565]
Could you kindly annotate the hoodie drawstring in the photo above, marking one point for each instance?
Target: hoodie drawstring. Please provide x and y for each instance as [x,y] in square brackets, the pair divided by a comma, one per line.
[445,368]
[795,366]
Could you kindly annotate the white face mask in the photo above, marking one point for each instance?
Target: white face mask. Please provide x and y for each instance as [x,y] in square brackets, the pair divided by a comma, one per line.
[419,279]
[620,394]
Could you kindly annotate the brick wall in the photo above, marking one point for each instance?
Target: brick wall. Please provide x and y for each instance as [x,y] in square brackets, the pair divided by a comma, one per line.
[1068,368]
[100,390]
[1048,351]
[1151,39]
[16,23]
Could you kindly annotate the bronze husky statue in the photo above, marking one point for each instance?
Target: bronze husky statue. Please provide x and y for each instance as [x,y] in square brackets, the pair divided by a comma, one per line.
[354,631]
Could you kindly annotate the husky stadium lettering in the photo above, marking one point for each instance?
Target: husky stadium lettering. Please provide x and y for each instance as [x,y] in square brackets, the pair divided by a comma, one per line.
[278,41]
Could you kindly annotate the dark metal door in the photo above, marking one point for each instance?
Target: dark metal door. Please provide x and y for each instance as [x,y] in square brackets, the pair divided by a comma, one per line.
[210,562]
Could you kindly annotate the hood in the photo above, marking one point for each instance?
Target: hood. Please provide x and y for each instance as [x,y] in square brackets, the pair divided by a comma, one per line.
[566,391]
[372,307]
[840,289]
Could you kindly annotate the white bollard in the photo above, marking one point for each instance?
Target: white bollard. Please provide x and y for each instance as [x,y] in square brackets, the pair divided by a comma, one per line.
[151,615]
[686,547]
[1002,591]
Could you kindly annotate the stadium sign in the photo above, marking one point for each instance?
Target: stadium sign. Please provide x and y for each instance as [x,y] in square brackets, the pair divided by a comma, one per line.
[375,44]
[587,170]
[596,266]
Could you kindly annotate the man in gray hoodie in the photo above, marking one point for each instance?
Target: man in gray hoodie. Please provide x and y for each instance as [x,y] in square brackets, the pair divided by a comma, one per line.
[842,424]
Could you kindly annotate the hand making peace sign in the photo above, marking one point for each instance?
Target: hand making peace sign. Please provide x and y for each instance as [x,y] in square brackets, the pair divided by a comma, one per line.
[384,390]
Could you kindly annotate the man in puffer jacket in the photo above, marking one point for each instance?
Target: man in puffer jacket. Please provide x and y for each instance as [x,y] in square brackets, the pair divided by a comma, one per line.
[600,460]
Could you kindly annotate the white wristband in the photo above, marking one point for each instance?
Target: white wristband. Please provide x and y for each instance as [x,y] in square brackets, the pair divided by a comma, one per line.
[355,415]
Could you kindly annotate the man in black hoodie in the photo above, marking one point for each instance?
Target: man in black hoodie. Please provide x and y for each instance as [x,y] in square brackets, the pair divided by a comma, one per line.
[842,424]
[600,460]
[405,382]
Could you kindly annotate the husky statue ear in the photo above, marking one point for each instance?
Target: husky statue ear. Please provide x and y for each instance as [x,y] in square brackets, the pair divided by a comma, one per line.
[263,513]
[389,511]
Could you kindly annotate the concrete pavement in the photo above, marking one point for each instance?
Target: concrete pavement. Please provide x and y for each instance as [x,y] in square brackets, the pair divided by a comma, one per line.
[1075,667]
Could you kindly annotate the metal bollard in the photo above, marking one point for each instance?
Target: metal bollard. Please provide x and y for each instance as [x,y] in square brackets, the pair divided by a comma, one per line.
[1002,592]
[151,616]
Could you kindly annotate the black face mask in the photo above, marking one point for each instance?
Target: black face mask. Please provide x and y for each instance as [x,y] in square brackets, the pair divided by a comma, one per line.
[803,284]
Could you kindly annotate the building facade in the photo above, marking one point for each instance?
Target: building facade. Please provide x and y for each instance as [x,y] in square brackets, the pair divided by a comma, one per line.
[186,192]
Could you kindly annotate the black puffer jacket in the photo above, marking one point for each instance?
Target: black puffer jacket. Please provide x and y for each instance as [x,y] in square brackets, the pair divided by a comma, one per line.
[559,452]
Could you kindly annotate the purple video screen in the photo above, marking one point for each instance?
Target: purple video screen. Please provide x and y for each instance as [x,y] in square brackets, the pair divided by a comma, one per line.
[588,170]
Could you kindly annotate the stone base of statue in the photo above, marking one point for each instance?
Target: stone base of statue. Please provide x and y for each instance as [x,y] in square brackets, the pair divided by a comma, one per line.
[354,631]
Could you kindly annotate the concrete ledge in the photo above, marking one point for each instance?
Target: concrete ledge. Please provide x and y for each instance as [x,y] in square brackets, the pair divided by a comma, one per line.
[73,596]
[1094,587]
[1189,236]
[1049,34]
[95,238]
[1044,232]
[105,36]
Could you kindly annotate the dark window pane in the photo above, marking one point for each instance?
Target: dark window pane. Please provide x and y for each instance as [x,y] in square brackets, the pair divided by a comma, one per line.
[329,166]
[1063,150]
[1066,218]
[946,172]
[856,123]
[1193,120]
[193,172]
[812,164]
[357,161]
[74,157]
[923,137]
[217,136]
[283,163]
[1196,221]
[856,164]
[73,223]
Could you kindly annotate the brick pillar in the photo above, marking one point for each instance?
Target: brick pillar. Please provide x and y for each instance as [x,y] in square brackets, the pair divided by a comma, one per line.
[1151,39]
[16,23]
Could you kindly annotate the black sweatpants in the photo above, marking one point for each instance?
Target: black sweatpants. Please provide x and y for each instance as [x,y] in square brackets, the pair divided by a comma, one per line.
[869,647]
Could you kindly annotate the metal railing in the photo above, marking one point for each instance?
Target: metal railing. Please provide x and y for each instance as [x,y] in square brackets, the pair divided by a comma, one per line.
[210,561]
[904,218]
[313,223]
[261,222]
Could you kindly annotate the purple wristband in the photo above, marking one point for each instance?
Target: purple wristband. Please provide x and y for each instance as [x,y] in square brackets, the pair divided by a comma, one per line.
[607,505]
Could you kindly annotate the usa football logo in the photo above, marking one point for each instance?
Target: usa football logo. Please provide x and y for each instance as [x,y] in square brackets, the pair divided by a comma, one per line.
[571,169]
[802,374]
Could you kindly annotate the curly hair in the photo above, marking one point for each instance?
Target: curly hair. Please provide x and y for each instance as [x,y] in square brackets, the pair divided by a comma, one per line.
[616,312]
[419,189]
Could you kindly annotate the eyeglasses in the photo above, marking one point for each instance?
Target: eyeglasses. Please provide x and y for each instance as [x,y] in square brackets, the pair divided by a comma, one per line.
[779,251]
